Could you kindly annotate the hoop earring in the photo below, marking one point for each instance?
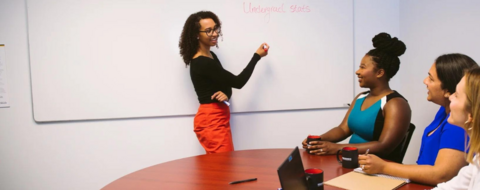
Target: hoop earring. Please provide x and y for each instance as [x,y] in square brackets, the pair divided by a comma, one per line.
[470,128]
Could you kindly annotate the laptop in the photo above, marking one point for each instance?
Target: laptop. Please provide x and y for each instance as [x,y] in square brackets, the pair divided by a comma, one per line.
[292,173]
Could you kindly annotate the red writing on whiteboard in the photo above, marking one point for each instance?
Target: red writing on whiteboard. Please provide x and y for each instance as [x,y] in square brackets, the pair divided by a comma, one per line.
[248,7]
[259,9]
[299,9]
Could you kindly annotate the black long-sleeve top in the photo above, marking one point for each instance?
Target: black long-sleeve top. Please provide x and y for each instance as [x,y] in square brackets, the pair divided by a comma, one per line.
[208,77]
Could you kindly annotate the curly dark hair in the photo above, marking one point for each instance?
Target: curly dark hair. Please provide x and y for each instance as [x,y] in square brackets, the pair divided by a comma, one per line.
[188,40]
[386,53]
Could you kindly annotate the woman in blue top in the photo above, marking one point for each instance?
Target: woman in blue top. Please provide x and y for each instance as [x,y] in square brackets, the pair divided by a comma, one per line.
[443,144]
[378,119]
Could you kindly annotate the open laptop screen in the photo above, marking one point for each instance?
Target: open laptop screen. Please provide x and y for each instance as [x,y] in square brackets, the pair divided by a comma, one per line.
[291,172]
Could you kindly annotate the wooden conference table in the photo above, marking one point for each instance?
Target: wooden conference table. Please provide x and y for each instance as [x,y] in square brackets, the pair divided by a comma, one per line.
[215,171]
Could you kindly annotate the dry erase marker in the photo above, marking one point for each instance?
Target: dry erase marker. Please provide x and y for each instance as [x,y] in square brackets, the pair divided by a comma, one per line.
[265,47]
[228,104]
[241,181]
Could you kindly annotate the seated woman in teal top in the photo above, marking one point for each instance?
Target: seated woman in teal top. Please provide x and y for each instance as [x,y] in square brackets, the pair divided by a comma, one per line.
[443,144]
[367,125]
[377,120]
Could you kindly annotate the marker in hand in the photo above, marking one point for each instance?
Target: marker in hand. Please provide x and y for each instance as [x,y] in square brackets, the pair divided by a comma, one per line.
[265,47]
[228,104]
[215,96]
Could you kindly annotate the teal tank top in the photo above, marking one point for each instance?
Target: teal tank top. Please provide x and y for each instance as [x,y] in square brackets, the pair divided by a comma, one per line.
[362,123]
[367,125]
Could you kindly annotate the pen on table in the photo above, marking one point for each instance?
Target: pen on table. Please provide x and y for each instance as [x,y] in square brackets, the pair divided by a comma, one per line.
[241,181]
[366,154]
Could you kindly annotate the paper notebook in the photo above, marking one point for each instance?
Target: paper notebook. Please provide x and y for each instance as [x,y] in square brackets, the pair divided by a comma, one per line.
[359,170]
[360,181]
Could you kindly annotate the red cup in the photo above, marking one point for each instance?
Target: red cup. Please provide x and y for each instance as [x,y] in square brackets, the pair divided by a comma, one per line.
[314,178]
[349,157]
[312,138]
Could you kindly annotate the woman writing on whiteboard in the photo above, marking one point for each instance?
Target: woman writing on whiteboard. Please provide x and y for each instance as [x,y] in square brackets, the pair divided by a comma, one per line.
[213,84]
[377,119]
[443,144]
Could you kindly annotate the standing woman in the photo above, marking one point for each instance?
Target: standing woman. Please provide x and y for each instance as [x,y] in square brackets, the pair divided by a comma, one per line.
[213,84]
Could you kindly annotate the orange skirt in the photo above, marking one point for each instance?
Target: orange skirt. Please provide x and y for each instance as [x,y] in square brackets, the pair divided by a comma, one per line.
[212,126]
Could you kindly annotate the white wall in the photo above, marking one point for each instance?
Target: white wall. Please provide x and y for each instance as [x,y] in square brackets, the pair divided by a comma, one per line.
[89,155]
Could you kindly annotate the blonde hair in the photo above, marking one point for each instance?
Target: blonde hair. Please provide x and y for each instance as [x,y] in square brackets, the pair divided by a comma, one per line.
[472,105]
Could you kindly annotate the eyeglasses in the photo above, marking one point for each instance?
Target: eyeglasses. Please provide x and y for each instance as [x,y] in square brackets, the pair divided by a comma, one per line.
[209,31]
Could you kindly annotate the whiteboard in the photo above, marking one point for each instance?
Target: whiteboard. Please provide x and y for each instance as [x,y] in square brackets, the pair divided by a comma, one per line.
[107,59]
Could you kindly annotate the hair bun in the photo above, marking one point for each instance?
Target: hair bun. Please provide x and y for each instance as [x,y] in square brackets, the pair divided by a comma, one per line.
[384,42]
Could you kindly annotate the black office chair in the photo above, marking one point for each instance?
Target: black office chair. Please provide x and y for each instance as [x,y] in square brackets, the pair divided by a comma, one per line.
[398,153]
[404,144]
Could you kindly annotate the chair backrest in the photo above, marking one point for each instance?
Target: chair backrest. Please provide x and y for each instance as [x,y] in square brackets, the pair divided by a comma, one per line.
[406,142]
